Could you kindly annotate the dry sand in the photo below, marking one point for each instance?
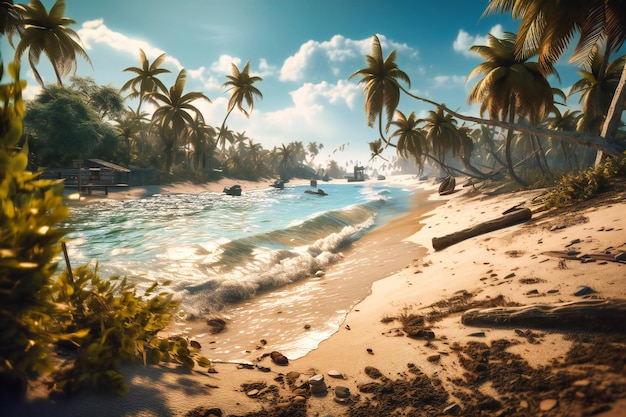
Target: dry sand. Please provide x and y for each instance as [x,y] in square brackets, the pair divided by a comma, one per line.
[394,363]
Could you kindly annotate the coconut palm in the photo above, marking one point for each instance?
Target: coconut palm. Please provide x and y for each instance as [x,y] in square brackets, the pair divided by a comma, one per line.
[510,88]
[596,88]
[411,139]
[175,114]
[240,85]
[49,33]
[202,139]
[381,79]
[547,27]
[147,80]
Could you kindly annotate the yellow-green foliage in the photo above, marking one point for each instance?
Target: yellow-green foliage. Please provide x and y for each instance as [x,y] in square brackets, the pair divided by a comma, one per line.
[100,322]
[584,185]
[29,208]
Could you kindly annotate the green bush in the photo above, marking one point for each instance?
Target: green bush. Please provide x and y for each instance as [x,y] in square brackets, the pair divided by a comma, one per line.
[98,323]
[584,185]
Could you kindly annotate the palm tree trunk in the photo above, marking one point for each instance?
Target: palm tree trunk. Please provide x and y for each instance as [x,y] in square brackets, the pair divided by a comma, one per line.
[507,150]
[614,115]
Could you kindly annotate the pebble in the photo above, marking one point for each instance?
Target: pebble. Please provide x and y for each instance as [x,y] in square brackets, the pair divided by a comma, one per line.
[252,392]
[293,375]
[299,399]
[573,242]
[620,257]
[342,392]
[279,359]
[477,334]
[319,274]
[583,290]
[434,358]
[547,405]
[317,385]
[335,374]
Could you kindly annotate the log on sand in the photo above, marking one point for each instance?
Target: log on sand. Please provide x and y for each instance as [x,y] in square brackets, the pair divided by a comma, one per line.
[587,315]
[510,219]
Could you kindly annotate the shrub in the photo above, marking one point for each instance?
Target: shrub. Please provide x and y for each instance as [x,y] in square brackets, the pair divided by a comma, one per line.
[584,185]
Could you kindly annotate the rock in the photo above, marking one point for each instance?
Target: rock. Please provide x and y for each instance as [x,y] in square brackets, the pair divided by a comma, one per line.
[583,290]
[204,412]
[434,358]
[573,242]
[573,253]
[317,384]
[452,410]
[293,375]
[335,374]
[620,257]
[370,351]
[342,392]
[372,372]
[252,392]
[298,399]
[477,334]
[279,359]
[319,274]
[547,405]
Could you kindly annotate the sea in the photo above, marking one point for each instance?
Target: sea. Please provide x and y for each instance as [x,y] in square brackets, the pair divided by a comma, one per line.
[281,267]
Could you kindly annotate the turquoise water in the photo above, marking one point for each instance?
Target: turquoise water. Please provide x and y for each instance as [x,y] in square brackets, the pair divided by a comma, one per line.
[252,254]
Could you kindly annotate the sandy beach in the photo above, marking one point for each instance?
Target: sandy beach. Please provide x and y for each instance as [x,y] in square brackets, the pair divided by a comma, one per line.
[404,349]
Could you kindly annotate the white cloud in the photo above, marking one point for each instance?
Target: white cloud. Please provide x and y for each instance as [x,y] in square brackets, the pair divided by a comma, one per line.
[96,32]
[319,58]
[449,81]
[464,41]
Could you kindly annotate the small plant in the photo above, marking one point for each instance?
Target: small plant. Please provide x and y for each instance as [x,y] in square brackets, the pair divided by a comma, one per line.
[584,185]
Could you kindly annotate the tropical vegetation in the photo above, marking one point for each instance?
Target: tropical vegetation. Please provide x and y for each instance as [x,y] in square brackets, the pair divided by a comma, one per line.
[528,137]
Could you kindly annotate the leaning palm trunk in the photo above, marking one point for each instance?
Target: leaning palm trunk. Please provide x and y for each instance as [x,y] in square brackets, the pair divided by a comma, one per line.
[614,115]
[507,149]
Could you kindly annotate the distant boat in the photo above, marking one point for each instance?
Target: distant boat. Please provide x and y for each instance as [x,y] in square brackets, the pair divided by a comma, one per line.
[447,185]
[234,190]
[319,191]
[280,184]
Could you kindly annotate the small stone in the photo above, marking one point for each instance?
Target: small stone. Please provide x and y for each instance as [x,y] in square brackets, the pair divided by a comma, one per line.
[298,399]
[293,375]
[434,358]
[372,372]
[317,385]
[252,392]
[477,334]
[532,292]
[317,379]
[523,404]
[581,383]
[547,405]
[452,410]
[279,359]
[620,257]
[370,351]
[573,242]
[319,274]
[335,374]
[342,392]
[572,253]
[307,326]
[583,290]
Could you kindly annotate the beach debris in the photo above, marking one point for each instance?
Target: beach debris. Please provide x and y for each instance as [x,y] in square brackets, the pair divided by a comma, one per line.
[317,384]
[372,372]
[333,373]
[583,290]
[587,314]
[510,219]
[452,410]
[204,412]
[434,357]
[279,359]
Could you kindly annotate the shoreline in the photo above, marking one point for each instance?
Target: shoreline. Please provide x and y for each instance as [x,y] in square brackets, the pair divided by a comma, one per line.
[508,263]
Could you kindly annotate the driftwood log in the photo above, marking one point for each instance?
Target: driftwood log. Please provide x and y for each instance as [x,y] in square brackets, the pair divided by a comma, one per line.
[510,219]
[587,315]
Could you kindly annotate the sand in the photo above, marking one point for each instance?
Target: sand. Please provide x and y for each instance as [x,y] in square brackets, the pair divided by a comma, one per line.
[444,367]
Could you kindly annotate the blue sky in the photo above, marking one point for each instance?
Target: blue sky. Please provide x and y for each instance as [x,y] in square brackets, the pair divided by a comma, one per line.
[305,52]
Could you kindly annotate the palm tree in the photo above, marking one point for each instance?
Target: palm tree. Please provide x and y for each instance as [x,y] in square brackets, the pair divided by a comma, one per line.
[175,114]
[240,85]
[412,140]
[381,79]
[548,27]
[511,88]
[596,88]
[202,139]
[147,80]
[48,33]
